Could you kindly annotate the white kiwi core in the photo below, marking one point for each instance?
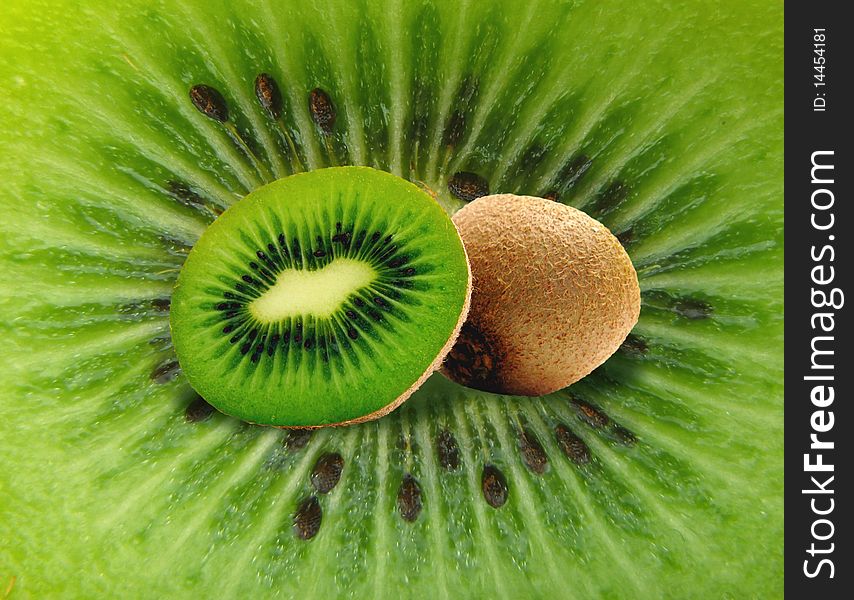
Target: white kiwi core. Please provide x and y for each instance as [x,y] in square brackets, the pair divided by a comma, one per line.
[320,293]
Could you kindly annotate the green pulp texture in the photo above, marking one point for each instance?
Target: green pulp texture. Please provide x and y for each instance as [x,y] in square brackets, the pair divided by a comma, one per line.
[663,120]
[312,372]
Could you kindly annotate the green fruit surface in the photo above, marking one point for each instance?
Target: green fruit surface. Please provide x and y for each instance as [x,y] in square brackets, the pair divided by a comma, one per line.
[341,379]
[661,119]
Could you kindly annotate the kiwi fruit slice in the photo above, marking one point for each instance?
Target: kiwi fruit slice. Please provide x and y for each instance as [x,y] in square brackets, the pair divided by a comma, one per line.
[556,296]
[657,475]
[323,298]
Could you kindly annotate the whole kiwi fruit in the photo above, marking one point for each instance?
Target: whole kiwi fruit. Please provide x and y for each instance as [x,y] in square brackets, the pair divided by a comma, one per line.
[657,475]
[556,295]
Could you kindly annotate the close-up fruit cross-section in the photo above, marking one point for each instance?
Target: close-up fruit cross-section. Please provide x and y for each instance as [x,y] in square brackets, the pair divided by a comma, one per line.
[404,299]
[324,298]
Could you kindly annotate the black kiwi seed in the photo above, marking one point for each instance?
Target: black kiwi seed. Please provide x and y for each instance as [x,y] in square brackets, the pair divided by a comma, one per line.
[468,186]
[409,498]
[243,290]
[268,94]
[590,414]
[494,486]
[693,309]
[533,455]
[322,110]
[448,450]
[297,439]
[307,518]
[343,238]
[327,472]
[552,195]
[475,360]
[166,371]
[266,259]
[209,102]
[272,344]
[256,354]
[572,445]
[198,410]
[296,250]
[398,262]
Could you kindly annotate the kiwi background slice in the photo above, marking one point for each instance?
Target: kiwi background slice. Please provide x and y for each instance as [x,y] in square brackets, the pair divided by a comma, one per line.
[658,475]
[322,298]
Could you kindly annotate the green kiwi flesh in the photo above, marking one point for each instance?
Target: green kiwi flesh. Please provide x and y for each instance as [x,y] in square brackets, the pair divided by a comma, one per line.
[659,475]
[323,298]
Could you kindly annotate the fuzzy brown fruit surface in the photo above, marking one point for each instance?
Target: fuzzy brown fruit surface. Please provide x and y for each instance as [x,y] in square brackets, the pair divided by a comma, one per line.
[554,295]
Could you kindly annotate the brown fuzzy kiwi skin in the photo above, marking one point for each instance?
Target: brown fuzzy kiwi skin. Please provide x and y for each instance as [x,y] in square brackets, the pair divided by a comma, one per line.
[555,294]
